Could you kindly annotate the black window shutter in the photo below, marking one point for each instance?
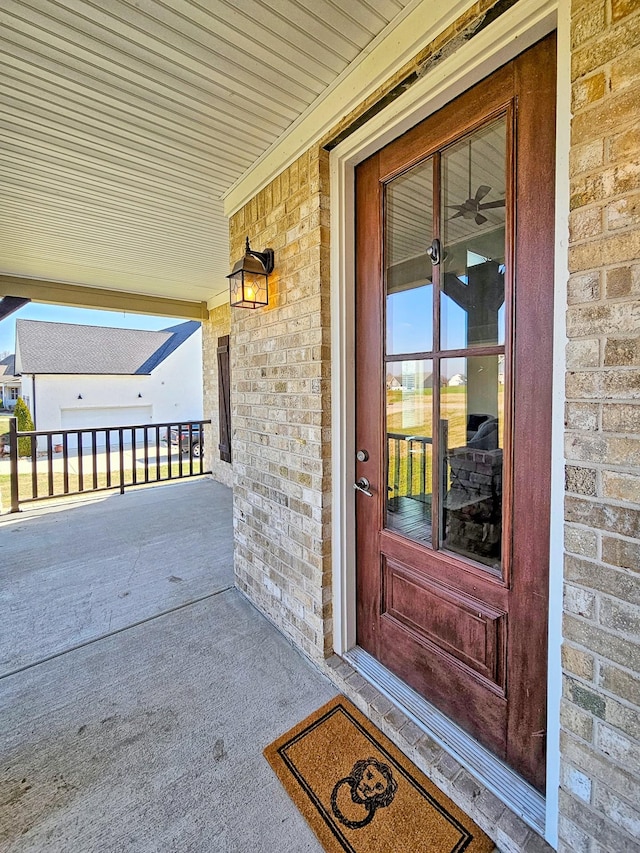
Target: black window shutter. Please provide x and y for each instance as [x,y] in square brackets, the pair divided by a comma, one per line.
[224,399]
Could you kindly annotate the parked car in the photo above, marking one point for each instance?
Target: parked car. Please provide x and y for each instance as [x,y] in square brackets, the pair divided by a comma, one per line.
[185,434]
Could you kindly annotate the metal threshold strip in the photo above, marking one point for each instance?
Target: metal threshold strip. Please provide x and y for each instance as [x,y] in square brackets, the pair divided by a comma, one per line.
[500,779]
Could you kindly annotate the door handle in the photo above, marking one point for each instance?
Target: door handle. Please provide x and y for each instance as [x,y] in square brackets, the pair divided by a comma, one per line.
[434,251]
[364,486]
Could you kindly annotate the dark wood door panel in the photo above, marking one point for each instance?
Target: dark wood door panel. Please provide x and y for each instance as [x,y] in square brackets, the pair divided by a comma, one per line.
[446,569]
[465,628]
[468,110]
[431,672]
[469,637]
[533,374]
[369,406]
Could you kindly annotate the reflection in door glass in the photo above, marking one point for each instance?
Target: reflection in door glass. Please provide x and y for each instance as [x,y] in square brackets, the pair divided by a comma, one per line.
[409,448]
[472,417]
[473,228]
[409,230]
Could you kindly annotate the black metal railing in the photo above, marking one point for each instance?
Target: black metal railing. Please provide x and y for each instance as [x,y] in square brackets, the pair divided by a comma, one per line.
[78,461]
[410,467]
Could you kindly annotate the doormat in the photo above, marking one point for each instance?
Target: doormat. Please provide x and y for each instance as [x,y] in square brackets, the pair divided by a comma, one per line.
[359,793]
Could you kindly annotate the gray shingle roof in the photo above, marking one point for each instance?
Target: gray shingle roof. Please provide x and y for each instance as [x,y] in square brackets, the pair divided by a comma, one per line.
[7,366]
[43,347]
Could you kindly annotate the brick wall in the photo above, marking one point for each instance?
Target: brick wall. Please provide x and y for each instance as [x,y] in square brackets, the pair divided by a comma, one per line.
[280,408]
[280,364]
[600,741]
[216,327]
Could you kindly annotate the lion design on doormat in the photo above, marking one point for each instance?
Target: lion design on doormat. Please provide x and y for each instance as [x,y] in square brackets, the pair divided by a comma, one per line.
[372,786]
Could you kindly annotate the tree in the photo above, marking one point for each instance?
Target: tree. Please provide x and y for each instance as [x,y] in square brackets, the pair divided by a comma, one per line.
[25,423]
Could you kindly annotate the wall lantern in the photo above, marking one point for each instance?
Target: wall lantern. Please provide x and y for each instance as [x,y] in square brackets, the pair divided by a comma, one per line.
[249,278]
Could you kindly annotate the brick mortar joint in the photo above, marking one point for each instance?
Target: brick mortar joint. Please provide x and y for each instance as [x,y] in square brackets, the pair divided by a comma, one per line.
[582,767]
[606,368]
[609,30]
[593,687]
[602,302]
[599,500]
[610,468]
[578,433]
[605,232]
[599,659]
[600,594]
[591,806]
[609,95]
[610,162]
[621,537]
[594,833]
[593,303]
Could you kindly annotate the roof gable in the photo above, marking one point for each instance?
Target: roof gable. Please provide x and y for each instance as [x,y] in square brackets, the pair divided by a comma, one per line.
[69,348]
[7,366]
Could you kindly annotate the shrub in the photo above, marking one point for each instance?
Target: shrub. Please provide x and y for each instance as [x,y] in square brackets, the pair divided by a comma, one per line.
[25,423]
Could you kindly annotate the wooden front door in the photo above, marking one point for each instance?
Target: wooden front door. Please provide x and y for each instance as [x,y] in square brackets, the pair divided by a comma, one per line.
[454,309]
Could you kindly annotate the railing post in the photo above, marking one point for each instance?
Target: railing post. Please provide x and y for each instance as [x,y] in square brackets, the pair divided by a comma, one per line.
[121,457]
[13,457]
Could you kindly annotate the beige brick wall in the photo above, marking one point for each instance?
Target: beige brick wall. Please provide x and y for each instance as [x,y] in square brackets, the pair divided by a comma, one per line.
[217,326]
[280,365]
[600,741]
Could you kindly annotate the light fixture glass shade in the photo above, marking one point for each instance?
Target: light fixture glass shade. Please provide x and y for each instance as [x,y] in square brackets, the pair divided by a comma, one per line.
[249,280]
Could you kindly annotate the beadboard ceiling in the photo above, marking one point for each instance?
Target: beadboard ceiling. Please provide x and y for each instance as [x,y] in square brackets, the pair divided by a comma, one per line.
[124,123]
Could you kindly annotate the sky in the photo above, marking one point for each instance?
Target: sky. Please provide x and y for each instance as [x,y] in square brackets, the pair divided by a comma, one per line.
[82,316]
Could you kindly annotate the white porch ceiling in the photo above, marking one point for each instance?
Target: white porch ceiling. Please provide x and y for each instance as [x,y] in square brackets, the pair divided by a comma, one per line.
[122,125]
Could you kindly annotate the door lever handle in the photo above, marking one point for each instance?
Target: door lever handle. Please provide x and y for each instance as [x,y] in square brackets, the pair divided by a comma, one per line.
[434,252]
[364,486]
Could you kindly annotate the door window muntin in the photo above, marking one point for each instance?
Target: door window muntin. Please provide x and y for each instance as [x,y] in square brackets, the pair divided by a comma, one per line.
[487,458]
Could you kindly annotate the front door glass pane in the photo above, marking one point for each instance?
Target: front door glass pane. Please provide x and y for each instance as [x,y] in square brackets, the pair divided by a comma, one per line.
[409,455]
[473,232]
[472,442]
[409,291]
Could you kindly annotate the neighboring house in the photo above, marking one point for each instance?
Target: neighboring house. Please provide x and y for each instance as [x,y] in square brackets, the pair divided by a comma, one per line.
[10,385]
[456,380]
[78,377]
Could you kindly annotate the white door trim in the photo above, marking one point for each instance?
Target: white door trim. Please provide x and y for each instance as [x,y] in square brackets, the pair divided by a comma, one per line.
[516,30]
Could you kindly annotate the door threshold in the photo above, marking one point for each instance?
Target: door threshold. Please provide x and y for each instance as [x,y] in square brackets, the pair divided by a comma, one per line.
[493,773]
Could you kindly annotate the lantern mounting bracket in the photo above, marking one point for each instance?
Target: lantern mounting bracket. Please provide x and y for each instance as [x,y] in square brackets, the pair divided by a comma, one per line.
[265,258]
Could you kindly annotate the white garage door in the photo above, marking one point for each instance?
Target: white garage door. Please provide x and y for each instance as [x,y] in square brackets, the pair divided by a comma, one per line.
[93,418]
[90,418]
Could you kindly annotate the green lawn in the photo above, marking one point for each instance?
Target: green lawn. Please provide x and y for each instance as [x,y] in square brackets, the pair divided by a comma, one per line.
[410,413]
[25,484]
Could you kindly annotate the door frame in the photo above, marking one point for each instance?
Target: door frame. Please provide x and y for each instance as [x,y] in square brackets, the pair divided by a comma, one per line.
[512,33]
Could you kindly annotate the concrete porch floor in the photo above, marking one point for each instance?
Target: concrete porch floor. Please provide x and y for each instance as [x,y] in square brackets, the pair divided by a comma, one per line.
[137,687]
